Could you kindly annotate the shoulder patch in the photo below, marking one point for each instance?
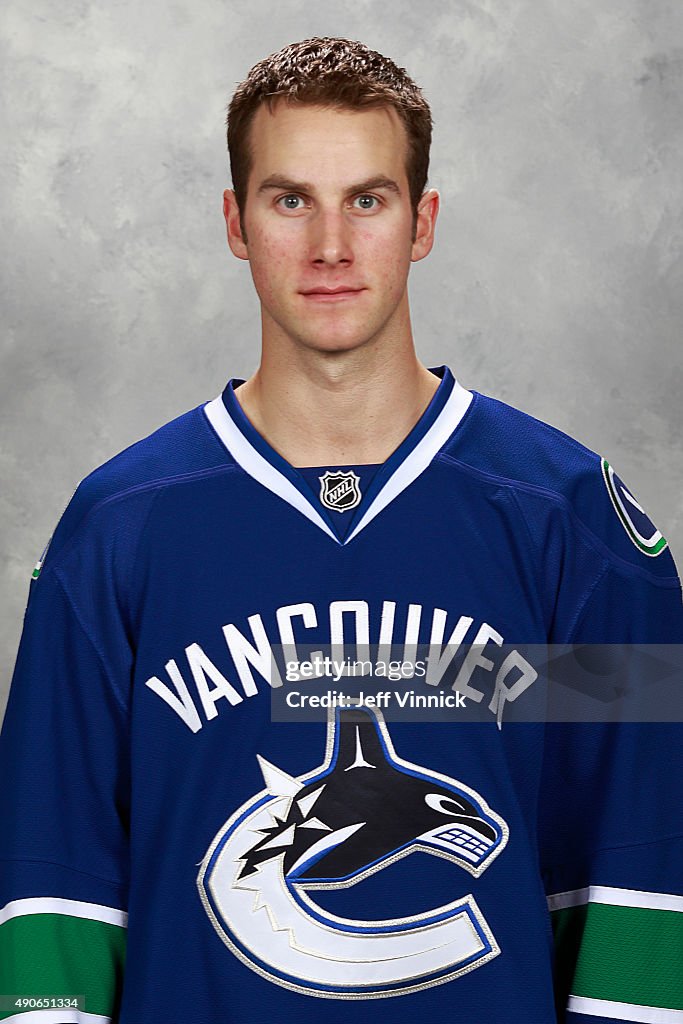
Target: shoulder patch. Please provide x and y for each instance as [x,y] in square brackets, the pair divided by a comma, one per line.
[639,528]
[39,564]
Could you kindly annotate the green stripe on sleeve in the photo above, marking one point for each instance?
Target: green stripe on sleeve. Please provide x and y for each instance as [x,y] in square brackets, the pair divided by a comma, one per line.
[60,955]
[622,954]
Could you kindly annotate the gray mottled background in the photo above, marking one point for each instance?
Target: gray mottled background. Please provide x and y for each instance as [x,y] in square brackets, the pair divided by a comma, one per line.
[556,283]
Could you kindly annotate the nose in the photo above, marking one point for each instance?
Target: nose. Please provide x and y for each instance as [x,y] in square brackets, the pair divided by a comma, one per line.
[331,239]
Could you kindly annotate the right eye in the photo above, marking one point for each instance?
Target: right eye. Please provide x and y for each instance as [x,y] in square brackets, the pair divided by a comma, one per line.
[290,202]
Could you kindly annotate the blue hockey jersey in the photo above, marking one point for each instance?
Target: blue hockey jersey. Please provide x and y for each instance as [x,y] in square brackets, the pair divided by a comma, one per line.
[170,853]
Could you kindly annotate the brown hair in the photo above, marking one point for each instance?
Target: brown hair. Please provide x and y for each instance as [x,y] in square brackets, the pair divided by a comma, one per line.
[330,72]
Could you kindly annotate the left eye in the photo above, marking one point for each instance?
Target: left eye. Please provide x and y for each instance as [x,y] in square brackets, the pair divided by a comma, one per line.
[445,804]
[365,202]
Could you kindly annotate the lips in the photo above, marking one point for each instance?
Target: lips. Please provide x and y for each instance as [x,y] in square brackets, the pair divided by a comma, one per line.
[322,290]
[323,294]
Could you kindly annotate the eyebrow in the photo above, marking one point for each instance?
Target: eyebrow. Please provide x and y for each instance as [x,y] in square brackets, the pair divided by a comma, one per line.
[277,181]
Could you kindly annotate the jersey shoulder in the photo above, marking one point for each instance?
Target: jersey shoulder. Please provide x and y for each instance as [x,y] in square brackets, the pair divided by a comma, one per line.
[179,449]
[544,465]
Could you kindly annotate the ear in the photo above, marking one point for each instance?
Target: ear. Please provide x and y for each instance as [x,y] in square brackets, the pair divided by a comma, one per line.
[231,213]
[427,211]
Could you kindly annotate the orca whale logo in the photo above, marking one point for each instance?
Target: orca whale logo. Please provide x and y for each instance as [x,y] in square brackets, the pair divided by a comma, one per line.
[359,811]
[640,529]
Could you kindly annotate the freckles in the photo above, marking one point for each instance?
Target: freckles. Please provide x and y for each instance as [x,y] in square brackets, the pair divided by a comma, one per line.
[269,254]
[271,267]
[273,253]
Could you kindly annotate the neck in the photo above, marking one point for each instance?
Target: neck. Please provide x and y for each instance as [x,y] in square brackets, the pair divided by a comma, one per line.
[337,408]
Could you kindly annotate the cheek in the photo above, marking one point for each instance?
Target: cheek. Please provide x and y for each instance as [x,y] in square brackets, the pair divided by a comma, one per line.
[270,262]
[389,259]
[389,247]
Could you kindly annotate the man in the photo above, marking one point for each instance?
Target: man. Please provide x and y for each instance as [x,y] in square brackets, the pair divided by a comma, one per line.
[345,498]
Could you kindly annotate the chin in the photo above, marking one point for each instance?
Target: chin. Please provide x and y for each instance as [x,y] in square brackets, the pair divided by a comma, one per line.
[336,340]
[336,343]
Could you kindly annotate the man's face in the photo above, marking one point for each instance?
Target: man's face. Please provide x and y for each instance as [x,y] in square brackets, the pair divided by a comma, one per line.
[328,208]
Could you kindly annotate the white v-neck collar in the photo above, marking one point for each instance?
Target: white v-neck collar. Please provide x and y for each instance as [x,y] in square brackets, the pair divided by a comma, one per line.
[420,457]
[258,467]
[409,469]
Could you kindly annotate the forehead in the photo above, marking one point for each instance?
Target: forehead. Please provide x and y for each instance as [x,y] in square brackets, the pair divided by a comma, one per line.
[306,140]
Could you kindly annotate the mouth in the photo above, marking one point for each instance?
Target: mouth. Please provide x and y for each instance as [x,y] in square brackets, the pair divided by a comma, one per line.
[462,840]
[332,294]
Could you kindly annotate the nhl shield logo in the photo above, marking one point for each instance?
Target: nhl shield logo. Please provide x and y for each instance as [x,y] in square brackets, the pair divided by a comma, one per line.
[340,491]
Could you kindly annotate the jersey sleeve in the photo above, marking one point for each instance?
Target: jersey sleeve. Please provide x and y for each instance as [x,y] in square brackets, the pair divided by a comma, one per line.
[64,808]
[611,828]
